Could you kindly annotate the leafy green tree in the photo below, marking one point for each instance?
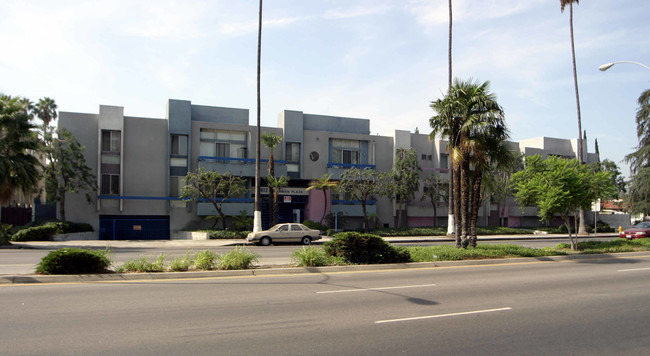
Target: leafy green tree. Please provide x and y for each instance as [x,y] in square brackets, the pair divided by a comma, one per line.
[497,181]
[468,115]
[271,140]
[617,179]
[638,195]
[435,189]
[19,168]
[362,185]
[404,181]
[640,158]
[66,171]
[560,187]
[638,198]
[212,187]
[324,184]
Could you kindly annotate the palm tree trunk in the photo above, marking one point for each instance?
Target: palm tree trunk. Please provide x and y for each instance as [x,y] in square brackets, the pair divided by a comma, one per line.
[451,218]
[464,201]
[456,200]
[582,230]
[325,208]
[365,216]
[476,201]
[257,223]
[62,206]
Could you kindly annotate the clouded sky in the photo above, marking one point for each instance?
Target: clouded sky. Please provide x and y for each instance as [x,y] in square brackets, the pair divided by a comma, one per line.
[383,60]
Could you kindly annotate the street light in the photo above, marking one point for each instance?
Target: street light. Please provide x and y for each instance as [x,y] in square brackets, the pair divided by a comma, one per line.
[606,66]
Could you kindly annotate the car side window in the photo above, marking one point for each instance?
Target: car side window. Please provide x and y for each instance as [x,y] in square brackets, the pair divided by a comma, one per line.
[295,228]
[283,228]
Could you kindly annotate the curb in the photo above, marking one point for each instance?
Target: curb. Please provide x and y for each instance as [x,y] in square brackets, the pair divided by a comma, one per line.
[134,277]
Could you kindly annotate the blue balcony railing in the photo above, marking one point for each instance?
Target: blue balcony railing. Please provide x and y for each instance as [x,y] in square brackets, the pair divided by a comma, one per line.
[350,165]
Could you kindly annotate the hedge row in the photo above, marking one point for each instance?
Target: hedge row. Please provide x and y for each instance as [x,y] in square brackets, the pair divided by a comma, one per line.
[46,231]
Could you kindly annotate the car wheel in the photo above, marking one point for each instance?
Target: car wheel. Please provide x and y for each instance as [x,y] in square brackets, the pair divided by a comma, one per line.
[265,241]
[306,240]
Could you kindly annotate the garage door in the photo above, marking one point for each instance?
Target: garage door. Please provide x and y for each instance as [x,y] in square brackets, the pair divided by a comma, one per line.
[133,227]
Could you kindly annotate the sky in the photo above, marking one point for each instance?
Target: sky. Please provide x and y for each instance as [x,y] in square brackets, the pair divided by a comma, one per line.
[382,60]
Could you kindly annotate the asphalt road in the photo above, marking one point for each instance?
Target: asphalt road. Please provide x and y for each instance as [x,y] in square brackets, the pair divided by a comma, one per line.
[586,307]
[23,261]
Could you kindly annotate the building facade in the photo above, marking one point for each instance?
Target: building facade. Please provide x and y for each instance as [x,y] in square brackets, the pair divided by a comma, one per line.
[140,164]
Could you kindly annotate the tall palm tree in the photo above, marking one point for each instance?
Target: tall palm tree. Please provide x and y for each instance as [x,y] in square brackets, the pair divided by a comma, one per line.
[271,140]
[325,184]
[563,4]
[19,169]
[468,109]
[450,220]
[46,110]
[257,217]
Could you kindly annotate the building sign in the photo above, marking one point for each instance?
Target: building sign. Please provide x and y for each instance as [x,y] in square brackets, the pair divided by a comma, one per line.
[286,191]
[287,198]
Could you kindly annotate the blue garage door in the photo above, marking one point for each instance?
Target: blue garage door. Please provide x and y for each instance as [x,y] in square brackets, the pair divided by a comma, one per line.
[133,227]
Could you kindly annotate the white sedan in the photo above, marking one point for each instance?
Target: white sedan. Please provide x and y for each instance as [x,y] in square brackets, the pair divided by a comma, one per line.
[284,233]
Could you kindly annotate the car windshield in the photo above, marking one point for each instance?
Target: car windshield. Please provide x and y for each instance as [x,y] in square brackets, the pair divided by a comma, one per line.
[643,225]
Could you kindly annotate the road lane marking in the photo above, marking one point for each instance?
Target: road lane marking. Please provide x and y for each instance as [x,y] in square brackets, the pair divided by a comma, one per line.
[371,289]
[633,269]
[442,315]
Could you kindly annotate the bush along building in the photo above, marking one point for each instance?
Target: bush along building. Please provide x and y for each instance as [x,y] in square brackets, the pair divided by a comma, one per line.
[140,164]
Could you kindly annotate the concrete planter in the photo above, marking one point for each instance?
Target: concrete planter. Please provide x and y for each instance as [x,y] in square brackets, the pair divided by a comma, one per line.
[189,235]
[88,235]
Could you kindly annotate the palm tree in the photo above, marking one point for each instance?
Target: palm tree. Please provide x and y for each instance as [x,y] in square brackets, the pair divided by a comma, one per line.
[19,169]
[45,109]
[450,220]
[257,217]
[469,109]
[563,4]
[271,140]
[489,151]
[323,183]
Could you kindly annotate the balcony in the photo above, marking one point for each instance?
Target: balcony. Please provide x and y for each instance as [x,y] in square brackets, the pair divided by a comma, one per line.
[242,167]
[337,169]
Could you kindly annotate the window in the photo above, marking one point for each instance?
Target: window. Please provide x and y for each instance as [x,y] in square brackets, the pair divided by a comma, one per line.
[179,145]
[221,143]
[296,228]
[175,186]
[444,161]
[110,184]
[345,151]
[292,152]
[111,141]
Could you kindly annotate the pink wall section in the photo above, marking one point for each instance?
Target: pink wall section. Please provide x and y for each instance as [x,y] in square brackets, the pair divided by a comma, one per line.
[314,210]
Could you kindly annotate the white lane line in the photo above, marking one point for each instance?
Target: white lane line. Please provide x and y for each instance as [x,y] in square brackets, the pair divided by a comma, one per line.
[369,289]
[442,315]
[634,269]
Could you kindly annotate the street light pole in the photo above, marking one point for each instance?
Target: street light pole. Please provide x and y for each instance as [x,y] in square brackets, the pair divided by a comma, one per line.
[606,66]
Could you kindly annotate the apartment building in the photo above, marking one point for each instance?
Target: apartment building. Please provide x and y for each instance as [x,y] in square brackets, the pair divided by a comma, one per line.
[140,164]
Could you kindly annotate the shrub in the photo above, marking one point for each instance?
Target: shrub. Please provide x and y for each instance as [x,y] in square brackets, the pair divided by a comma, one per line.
[181,264]
[74,261]
[309,256]
[143,264]
[5,234]
[357,247]
[226,234]
[205,260]
[242,222]
[315,225]
[46,231]
[238,258]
